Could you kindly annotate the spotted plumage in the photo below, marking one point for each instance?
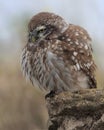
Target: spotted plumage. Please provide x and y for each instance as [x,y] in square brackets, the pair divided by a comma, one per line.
[58,55]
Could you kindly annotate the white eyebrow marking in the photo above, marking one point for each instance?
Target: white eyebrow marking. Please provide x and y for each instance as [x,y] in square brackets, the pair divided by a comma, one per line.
[40,27]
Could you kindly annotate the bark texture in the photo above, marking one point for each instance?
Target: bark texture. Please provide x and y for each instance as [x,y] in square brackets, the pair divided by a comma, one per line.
[76,111]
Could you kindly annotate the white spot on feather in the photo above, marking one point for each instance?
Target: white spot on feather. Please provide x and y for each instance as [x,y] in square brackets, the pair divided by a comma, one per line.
[75,53]
[73,58]
[53,45]
[68,39]
[76,43]
[57,41]
[77,34]
[86,47]
[78,66]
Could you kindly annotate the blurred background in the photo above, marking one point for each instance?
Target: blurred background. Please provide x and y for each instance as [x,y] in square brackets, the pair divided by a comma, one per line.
[22,106]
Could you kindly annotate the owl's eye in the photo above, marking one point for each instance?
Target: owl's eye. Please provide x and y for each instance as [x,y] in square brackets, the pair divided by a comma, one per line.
[41,30]
[39,33]
[36,34]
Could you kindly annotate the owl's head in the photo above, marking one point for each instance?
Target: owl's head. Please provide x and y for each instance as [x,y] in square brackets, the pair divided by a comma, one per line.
[46,26]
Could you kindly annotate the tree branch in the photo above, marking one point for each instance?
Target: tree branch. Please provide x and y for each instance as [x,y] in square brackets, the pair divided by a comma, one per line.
[76,111]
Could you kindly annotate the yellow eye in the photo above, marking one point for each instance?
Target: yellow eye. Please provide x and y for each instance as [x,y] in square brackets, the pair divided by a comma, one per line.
[40,31]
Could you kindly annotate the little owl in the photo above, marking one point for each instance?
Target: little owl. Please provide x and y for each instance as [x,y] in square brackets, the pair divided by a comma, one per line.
[58,55]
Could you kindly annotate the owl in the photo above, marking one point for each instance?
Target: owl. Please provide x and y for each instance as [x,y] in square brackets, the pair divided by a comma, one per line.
[58,55]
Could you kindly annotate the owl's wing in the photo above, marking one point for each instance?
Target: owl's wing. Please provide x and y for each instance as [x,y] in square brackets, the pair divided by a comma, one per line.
[74,49]
[60,77]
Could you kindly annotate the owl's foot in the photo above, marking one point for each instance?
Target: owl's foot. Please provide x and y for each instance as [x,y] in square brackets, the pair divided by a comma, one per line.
[51,94]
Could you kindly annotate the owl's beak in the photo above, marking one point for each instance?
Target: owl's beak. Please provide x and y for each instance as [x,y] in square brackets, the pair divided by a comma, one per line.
[33,39]
[33,36]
